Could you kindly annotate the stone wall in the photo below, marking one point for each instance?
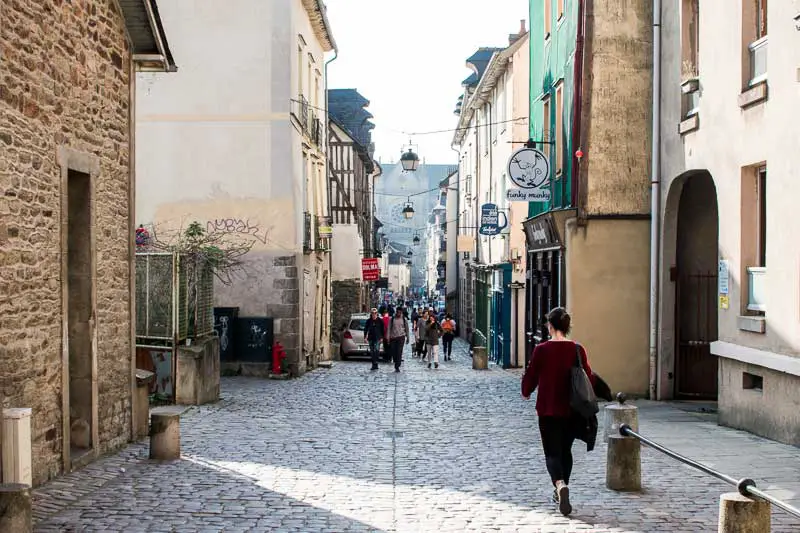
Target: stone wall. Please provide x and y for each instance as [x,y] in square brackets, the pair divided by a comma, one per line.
[64,83]
[347,299]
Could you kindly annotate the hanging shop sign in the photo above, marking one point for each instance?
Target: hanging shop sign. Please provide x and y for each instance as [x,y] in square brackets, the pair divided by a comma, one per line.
[529,171]
[370,270]
[540,233]
[490,220]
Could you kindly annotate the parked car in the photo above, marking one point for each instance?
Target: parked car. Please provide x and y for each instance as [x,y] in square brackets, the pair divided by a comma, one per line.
[353,341]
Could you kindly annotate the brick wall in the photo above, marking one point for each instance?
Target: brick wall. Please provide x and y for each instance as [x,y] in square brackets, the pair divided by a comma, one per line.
[64,82]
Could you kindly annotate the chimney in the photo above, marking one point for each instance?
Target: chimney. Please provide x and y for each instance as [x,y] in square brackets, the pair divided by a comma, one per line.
[512,38]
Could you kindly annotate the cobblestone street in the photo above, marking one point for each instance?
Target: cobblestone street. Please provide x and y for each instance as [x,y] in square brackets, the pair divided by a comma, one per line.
[346,449]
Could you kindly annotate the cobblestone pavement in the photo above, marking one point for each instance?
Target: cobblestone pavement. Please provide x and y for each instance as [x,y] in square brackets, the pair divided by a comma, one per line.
[451,449]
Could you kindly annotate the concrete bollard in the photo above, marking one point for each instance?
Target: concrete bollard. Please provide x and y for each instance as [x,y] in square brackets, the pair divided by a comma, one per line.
[15,508]
[740,514]
[623,456]
[165,436]
[620,413]
[480,360]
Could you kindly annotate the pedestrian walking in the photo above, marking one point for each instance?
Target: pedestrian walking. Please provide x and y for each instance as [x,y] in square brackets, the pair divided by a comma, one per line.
[433,332]
[550,369]
[374,334]
[448,334]
[398,337]
[384,312]
[421,327]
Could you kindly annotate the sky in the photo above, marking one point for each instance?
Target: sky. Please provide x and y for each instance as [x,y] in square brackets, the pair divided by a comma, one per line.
[409,59]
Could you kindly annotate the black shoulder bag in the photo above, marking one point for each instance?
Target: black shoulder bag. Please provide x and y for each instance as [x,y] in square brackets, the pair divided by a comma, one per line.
[582,398]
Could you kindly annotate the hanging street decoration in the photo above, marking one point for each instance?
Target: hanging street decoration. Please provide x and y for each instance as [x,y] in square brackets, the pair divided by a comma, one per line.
[529,171]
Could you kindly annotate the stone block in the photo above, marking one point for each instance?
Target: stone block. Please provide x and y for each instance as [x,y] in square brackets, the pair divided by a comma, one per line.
[290,272]
[283,283]
[198,371]
[740,514]
[290,297]
[288,326]
[165,436]
[15,508]
[287,260]
[280,311]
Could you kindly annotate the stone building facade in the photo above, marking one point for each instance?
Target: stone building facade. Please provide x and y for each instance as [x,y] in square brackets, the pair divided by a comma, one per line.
[66,100]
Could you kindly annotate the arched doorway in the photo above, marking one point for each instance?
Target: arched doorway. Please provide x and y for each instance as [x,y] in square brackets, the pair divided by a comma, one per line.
[696,288]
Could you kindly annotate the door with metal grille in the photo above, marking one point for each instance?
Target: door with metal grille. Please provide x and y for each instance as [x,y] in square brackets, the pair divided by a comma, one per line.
[696,322]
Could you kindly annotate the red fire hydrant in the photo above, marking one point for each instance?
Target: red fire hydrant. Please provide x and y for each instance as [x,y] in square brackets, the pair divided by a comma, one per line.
[278,355]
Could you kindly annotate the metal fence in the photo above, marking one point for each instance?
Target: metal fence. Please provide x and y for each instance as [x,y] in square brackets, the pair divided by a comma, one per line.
[174,297]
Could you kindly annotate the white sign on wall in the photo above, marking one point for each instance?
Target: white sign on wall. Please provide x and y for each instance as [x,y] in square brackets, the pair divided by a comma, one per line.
[529,171]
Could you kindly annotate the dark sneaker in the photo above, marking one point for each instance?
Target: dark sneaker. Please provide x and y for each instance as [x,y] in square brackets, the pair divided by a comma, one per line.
[429,365]
[374,367]
[563,500]
[436,365]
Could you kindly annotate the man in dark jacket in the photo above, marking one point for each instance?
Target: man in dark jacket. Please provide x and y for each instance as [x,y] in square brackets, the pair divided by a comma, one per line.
[374,334]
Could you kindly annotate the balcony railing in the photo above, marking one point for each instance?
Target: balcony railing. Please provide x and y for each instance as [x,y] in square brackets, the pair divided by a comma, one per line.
[758,60]
[302,112]
[324,233]
[316,131]
[756,282]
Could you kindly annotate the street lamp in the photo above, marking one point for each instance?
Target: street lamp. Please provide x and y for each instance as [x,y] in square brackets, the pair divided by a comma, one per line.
[410,161]
[408,210]
[416,240]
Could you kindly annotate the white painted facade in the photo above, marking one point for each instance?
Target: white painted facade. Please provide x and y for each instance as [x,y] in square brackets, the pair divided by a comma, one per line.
[733,127]
[222,142]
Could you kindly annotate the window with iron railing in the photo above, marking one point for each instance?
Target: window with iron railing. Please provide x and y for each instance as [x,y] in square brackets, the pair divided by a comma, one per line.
[308,233]
[324,233]
[302,112]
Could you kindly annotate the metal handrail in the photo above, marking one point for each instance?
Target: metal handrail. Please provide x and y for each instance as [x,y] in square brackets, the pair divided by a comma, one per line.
[745,486]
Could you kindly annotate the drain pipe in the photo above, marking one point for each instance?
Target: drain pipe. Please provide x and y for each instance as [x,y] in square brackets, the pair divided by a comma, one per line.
[655,199]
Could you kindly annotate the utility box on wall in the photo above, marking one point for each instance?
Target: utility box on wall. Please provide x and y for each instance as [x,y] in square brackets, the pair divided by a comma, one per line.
[17,466]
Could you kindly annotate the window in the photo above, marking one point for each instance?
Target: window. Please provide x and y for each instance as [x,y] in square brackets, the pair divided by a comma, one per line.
[754,23]
[503,114]
[547,16]
[559,127]
[484,127]
[560,9]
[546,119]
[754,235]
[690,39]
[493,119]
[300,70]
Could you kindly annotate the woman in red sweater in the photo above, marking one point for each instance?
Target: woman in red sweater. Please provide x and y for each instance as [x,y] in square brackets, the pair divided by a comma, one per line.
[549,370]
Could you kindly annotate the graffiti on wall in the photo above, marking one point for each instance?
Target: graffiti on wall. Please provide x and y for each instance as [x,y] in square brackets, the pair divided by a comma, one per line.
[238,226]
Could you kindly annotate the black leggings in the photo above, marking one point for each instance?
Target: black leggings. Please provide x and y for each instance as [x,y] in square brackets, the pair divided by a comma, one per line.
[558,434]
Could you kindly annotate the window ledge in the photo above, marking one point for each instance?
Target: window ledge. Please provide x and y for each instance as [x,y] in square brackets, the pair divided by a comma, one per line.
[754,95]
[774,361]
[753,324]
[689,124]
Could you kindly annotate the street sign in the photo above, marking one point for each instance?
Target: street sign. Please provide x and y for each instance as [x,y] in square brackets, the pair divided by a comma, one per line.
[490,220]
[529,171]
[370,270]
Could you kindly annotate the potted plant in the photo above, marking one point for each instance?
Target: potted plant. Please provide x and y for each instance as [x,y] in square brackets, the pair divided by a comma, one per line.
[691,82]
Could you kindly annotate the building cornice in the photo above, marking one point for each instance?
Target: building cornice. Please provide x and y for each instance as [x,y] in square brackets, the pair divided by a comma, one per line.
[318,14]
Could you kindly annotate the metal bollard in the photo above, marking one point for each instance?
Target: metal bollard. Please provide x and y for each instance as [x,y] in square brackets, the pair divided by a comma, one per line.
[623,456]
[165,436]
[740,514]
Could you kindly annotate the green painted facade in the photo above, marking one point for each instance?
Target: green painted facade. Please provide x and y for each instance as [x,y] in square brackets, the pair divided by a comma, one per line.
[552,61]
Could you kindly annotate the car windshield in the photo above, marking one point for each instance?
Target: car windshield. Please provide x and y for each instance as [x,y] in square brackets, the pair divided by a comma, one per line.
[358,324]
